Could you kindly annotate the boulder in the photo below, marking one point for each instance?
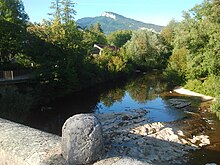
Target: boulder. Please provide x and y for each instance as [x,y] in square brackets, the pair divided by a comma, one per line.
[82,139]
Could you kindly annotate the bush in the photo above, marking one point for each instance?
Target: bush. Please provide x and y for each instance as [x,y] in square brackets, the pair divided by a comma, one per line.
[194,85]
[215,107]
[173,77]
[211,86]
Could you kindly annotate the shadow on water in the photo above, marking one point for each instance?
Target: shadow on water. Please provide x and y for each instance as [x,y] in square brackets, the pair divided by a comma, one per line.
[51,117]
[139,92]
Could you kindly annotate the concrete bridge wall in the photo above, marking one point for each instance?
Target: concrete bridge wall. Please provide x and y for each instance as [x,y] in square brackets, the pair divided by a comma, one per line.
[22,145]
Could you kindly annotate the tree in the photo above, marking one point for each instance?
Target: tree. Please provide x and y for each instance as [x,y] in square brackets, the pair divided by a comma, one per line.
[56,6]
[168,32]
[68,10]
[96,28]
[146,49]
[119,38]
[61,55]
[199,33]
[13,11]
[13,21]
[93,35]
[63,10]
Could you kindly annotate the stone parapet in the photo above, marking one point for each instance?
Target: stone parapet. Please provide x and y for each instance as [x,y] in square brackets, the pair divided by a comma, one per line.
[22,145]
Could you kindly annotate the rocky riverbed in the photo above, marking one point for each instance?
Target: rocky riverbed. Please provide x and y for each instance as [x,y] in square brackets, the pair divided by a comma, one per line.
[133,135]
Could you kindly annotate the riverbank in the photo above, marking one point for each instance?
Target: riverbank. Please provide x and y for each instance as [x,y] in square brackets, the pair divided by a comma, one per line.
[187,92]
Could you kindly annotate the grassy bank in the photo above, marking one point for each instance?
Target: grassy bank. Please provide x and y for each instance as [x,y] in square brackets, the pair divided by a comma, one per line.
[210,86]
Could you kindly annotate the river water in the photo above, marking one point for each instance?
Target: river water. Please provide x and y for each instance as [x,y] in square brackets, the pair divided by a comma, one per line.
[148,92]
[141,92]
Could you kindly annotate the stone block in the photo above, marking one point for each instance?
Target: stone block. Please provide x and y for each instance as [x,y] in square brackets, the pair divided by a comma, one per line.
[82,139]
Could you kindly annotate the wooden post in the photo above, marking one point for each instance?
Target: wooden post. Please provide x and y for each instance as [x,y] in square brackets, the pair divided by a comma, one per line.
[12,74]
[8,75]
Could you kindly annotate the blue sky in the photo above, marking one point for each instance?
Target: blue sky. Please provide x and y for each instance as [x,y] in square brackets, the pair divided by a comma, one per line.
[150,11]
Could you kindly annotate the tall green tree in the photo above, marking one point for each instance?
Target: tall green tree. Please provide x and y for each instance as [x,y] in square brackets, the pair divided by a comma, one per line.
[146,49]
[68,11]
[96,28]
[199,33]
[13,11]
[13,21]
[119,38]
[61,56]
[168,32]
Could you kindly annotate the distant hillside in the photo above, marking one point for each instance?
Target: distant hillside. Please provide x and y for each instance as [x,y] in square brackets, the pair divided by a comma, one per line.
[111,22]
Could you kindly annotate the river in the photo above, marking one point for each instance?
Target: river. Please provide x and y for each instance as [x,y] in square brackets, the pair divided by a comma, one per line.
[140,92]
[148,92]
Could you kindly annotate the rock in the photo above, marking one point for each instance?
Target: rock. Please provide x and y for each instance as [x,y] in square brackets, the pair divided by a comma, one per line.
[82,140]
[129,161]
[151,142]
[179,103]
[203,140]
[120,161]
[126,117]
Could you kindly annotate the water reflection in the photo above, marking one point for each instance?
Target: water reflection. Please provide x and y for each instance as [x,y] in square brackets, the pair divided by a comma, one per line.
[142,92]
[145,88]
[112,96]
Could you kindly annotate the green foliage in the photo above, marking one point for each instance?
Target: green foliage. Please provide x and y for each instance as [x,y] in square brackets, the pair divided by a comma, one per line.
[168,32]
[173,77]
[119,38]
[198,33]
[146,49]
[13,34]
[178,61]
[13,11]
[111,62]
[23,60]
[11,40]
[59,52]
[96,28]
[63,10]
[95,35]
[60,55]
[194,85]
[215,107]
[210,86]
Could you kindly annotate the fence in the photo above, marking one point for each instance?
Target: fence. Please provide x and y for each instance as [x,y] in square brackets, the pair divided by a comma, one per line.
[11,74]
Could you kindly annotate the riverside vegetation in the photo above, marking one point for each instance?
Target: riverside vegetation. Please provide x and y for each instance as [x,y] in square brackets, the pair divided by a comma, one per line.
[195,42]
[60,53]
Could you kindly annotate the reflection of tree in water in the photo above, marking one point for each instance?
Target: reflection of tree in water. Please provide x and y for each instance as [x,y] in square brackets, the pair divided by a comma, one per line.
[15,105]
[145,88]
[112,96]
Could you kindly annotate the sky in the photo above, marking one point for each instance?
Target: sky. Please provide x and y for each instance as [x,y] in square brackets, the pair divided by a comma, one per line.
[158,12]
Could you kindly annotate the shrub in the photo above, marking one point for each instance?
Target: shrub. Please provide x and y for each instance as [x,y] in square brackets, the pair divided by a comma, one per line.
[194,85]
[215,107]
[211,86]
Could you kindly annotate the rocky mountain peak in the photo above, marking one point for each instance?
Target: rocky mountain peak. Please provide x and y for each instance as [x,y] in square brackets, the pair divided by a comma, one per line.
[109,15]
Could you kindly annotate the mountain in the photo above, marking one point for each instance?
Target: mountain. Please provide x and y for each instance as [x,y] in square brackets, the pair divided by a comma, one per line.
[111,22]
